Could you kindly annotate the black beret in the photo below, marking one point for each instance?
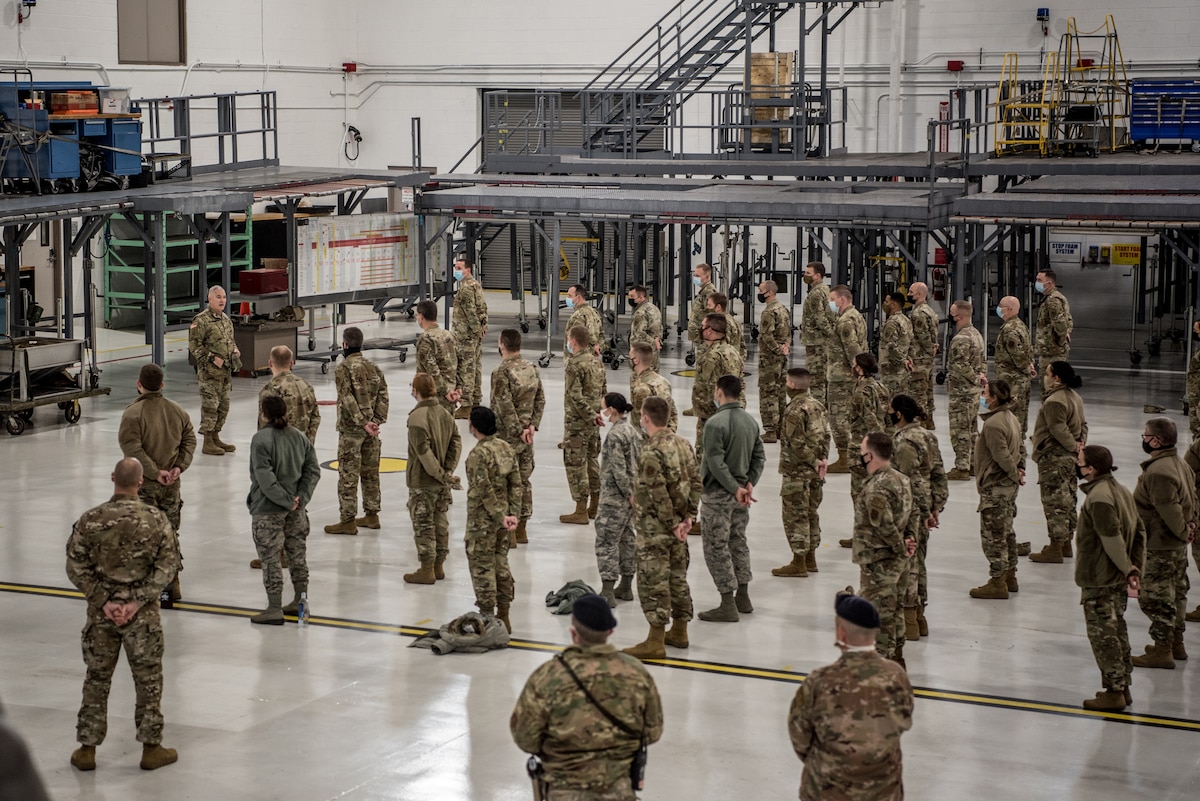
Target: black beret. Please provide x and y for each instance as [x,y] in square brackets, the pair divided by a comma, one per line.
[857,610]
[592,611]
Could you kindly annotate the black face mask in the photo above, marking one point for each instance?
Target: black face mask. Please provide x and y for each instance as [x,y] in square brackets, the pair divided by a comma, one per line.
[1146,447]
[895,418]
[911,299]
[1079,473]
[501,352]
[1195,337]
[865,458]
[762,298]
[633,304]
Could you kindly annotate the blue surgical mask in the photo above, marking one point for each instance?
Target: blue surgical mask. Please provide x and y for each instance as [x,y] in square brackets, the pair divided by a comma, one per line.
[570,302]
[458,275]
[1000,312]
[983,404]
[570,347]
[696,280]
[833,307]
[1040,287]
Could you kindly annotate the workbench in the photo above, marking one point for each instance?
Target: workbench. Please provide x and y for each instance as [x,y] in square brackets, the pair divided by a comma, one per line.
[255,340]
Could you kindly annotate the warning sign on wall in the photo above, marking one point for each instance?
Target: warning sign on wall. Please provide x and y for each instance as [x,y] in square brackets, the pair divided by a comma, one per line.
[1126,254]
[1065,251]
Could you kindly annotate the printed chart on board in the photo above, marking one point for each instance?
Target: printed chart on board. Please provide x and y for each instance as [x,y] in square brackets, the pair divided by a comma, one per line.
[356,253]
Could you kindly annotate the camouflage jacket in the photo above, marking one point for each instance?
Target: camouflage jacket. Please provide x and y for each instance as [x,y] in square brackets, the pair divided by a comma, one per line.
[804,436]
[120,551]
[646,325]
[668,484]
[649,384]
[619,459]
[517,398]
[774,331]
[916,454]
[302,409]
[470,316]
[584,389]
[437,355]
[1054,325]
[581,750]
[1014,355]
[362,394]
[881,516]
[895,344]
[925,333]
[869,402]
[587,317]
[816,320]
[158,433]
[211,336]
[696,317]
[718,359]
[845,723]
[434,445]
[735,336]
[967,360]
[493,486]
[849,339]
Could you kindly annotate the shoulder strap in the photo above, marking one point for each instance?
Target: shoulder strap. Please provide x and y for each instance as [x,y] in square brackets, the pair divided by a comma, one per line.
[611,718]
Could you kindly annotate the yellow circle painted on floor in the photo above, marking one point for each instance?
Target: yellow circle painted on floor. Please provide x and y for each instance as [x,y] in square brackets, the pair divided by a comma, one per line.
[386,465]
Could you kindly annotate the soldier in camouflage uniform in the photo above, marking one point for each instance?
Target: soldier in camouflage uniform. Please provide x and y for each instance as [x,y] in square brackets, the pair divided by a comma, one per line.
[703,286]
[434,447]
[718,303]
[647,383]
[298,395]
[1014,359]
[803,457]
[616,544]
[437,356]
[884,540]
[212,349]
[774,346]
[1058,433]
[847,718]
[1193,384]
[999,473]
[469,322]
[584,388]
[717,358]
[966,369]
[925,348]
[493,511]
[868,412]
[518,402]
[585,316]
[895,346]
[362,404]
[1112,550]
[646,327]
[849,339]
[1054,323]
[586,739]
[121,555]
[816,327]
[666,498]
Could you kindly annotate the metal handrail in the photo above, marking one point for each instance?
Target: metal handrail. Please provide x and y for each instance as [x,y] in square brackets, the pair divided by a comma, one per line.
[182,111]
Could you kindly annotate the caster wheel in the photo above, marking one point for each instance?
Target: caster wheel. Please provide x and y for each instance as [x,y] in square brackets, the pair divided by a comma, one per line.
[524,328]
[409,314]
[72,413]
[26,414]
[382,318]
[542,324]
[1135,358]
[324,368]
[15,426]
[941,377]
[403,356]
[312,344]
[544,361]
[615,363]
[690,360]
[604,357]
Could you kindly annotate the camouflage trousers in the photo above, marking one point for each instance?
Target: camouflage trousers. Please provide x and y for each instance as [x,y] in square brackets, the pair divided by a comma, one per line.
[964,411]
[700,421]
[662,566]
[801,520]
[726,552]
[164,498]
[142,639]
[470,373]
[915,589]
[895,383]
[616,544]
[920,386]
[772,391]
[1104,616]
[814,360]
[427,508]
[858,473]
[286,532]
[997,508]
[1019,405]
[1163,596]
[487,561]
[839,417]
[358,462]
[581,456]
[214,402]
[1193,420]
[1057,482]
[881,583]
[525,466]
[622,792]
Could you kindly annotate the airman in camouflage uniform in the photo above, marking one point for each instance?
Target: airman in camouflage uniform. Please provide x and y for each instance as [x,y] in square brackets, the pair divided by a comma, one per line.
[849,339]
[718,302]
[1014,360]
[1058,431]
[616,544]
[999,469]
[434,448]
[868,412]
[437,355]
[362,407]
[646,327]
[816,327]
[803,453]
[121,555]
[774,345]
[469,321]
[718,358]
[895,346]
[303,412]
[647,383]
[212,349]
[585,316]
[924,348]
[1054,323]
[493,509]
[704,287]
[1193,384]
[966,365]
[584,388]
[518,401]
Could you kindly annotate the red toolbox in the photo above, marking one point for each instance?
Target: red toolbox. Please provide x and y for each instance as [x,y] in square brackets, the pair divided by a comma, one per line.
[262,281]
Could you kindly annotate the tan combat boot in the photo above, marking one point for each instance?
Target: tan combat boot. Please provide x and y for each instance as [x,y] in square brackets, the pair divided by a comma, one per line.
[155,757]
[1066,549]
[225,446]
[522,534]
[439,569]
[579,517]
[677,637]
[84,758]
[423,575]
[810,562]
[995,589]
[593,506]
[174,589]
[1178,650]
[256,564]
[1106,701]
[624,590]
[368,520]
[840,466]
[911,630]
[922,623]
[1024,549]
[958,474]
[502,613]
[770,438]
[1193,616]
[849,543]
[654,646]
[1157,655]
[462,413]
[212,446]
[512,539]
[795,568]
[344,527]
[688,412]
[1010,578]
[1052,554]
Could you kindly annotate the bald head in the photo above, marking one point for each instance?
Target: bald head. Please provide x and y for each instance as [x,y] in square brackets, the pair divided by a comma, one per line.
[919,292]
[127,476]
[1010,307]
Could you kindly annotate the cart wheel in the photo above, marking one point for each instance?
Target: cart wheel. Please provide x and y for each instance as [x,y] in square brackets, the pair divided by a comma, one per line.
[754,333]
[615,363]
[544,360]
[409,312]
[324,367]
[1135,358]
[941,377]
[690,360]
[25,414]
[382,317]
[542,323]
[403,356]
[15,425]
[524,328]
[312,343]
[72,413]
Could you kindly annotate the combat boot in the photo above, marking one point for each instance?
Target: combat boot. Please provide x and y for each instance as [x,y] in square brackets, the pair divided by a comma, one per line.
[624,590]
[84,757]
[1193,616]
[840,466]
[606,593]
[273,614]
[1024,549]
[727,612]
[922,623]
[155,757]
[1158,655]
[695,531]
[522,535]
[344,527]
[579,517]
[742,599]
[173,589]
[439,570]
[677,637]
[810,562]
[1052,554]
[654,646]
[995,589]
[795,568]
[958,474]
[212,446]
[1010,578]
[593,507]
[770,438]
[462,413]
[423,575]
[502,613]
[1066,549]
[512,539]
[1106,701]
[1178,651]
[688,412]
[225,446]
[368,520]
[256,564]
[293,608]
[848,543]
[911,630]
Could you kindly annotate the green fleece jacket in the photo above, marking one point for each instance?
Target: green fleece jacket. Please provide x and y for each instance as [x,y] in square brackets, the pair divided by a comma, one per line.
[283,465]
[1110,539]
[1166,500]
[733,450]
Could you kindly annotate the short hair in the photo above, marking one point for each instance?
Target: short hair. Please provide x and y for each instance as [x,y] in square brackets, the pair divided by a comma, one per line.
[127,473]
[769,287]
[151,377]
[470,265]
[716,322]
[643,351]
[897,298]
[657,410]
[214,289]
[880,444]
[639,289]
[907,407]
[423,385]
[427,310]
[510,340]
[580,290]
[720,299]
[867,361]
[1065,373]
[705,268]
[1098,457]
[817,267]
[800,373]
[580,334]
[1049,273]
[282,356]
[353,337]
[842,291]
[1001,390]
[588,636]
[1163,428]
[274,410]
[615,400]
[730,386]
[961,306]
[484,420]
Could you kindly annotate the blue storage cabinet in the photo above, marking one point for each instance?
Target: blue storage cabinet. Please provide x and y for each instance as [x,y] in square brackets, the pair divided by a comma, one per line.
[1164,110]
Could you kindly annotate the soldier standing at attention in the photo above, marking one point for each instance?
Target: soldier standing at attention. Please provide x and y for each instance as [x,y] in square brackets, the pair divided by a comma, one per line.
[924,348]
[666,497]
[212,347]
[434,447]
[849,339]
[1166,503]
[716,359]
[437,356]
[895,346]
[362,404]
[1192,458]
[966,372]
[470,321]
[121,555]
[584,388]
[646,327]
[774,345]
[883,540]
[493,510]
[297,394]
[647,383]
[703,286]
[518,402]
[847,718]
[1014,359]
[616,546]
[868,412]
[1054,321]
[1193,385]
[999,473]
[157,432]
[1112,549]
[1058,433]
[803,457]
[585,316]
[587,712]
[816,327]
[718,303]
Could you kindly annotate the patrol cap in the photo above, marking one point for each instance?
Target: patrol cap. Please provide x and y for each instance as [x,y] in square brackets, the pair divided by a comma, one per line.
[857,610]
[592,611]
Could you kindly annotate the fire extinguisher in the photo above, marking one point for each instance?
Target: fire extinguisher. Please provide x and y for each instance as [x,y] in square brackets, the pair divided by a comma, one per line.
[939,283]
